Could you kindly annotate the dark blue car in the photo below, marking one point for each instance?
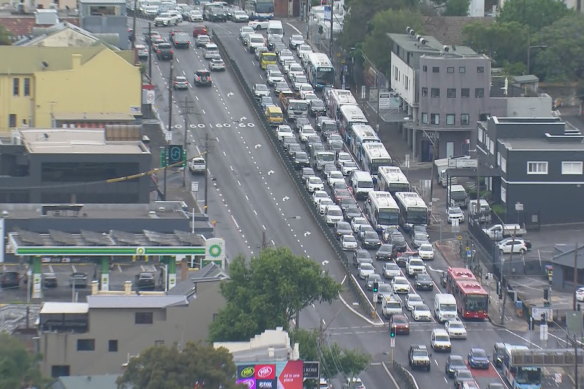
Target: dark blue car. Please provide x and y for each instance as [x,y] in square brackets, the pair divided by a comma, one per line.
[478,359]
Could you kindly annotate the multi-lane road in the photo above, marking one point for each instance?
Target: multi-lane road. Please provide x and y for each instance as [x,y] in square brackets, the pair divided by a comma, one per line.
[254,203]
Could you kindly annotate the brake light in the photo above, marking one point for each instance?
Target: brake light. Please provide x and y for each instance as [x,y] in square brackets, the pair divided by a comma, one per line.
[171,52]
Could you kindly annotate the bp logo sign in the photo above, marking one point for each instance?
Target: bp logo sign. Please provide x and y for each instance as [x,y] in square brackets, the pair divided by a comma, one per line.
[140,251]
[215,250]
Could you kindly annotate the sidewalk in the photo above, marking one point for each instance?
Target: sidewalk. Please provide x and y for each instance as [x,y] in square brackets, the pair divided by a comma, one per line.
[450,251]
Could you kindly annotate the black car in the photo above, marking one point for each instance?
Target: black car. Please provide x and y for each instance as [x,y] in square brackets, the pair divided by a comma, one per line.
[9,279]
[402,260]
[164,51]
[398,241]
[50,280]
[351,211]
[423,282]
[301,160]
[385,252]
[145,281]
[370,240]
[181,40]
[453,363]
[361,254]
[317,107]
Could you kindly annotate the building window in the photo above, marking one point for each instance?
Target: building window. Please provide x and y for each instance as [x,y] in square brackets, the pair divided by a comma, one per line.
[16,86]
[450,69]
[503,164]
[480,134]
[27,86]
[450,117]
[503,194]
[479,92]
[424,118]
[406,82]
[424,68]
[464,119]
[461,69]
[424,92]
[435,69]
[537,167]
[144,318]
[571,167]
[112,345]
[465,92]
[480,69]
[12,120]
[435,92]
[435,118]
[451,93]
[85,344]
[492,147]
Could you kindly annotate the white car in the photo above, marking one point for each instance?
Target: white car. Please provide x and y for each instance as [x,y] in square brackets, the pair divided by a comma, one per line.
[580,294]
[391,270]
[295,41]
[306,131]
[455,329]
[455,213]
[333,214]
[319,195]
[349,243]
[240,17]
[440,341]
[313,184]
[334,176]
[412,300]
[415,265]
[198,165]
[422,313]
[195,16]
[517,245]
[244,32]
[259,24]
[303,49]
[348,166]
[400,285]
[365,269]
[322,204]
[294,67]
[275,76]
[357,222]
[167,19]
[426,251]
[284,131]
[343,157]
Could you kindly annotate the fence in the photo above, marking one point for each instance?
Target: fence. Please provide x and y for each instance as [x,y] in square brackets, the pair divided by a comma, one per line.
[294,175]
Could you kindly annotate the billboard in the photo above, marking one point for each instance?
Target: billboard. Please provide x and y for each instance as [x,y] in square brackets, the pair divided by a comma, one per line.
[279,375]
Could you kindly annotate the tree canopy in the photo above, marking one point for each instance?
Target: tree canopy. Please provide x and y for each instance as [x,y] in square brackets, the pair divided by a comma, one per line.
[457,8]
[171,368]
[503,41]
[18,367]
[268,292]
[376,44]
[562,51]
[333,358]
[535,14]
[4,36]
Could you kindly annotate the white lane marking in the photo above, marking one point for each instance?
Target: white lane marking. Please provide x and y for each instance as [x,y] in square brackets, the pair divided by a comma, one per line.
[522,338]
[300,32]
[234,222]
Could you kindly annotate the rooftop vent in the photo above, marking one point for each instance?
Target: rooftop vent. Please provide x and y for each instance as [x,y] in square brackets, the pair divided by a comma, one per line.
[445,48]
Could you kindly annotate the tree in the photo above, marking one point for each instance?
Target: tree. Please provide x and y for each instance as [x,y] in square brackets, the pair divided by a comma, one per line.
[17,366]
[376,45]
[171,368]
[504,42]
[457,8]
[357,23]
[4,36]
[535,14]
[268,292]
[561,59]
[333,358]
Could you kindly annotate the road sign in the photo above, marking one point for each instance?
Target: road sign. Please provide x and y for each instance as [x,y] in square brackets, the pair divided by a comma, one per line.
[459,237]
[574,321]
[460,163]
[175,154]
[311,370]
[543,332]
[392,342]
[168,136]
[384,99]
[194,186]
[468,253]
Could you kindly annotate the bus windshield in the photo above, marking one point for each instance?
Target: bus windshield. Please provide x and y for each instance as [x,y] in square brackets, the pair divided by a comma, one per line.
[476,302]
[388,218]
[325,76]
[298,105]
[528,375]
[417,215]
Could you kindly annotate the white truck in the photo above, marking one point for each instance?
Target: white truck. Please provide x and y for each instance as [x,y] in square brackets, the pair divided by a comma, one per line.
[480,210]
[457,196]
[500,231]
[441,168]
[444,307]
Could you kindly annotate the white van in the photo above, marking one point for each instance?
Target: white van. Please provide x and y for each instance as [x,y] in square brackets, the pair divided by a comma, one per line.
[362,184]
[211,49]
[391,305]
[445,307]
[275,28]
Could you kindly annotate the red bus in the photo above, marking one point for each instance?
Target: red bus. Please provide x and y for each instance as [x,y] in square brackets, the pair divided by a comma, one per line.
[472,300]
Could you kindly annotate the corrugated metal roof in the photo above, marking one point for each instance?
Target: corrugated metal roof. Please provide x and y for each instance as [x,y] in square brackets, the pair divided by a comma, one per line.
[142,301]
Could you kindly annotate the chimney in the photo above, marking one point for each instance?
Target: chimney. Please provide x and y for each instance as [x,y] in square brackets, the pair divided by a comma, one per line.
[76,59]
[94,287]
[127,287]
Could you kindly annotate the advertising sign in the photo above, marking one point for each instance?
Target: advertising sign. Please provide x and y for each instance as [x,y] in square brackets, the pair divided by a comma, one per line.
[291,377]
[265,372]
[311,370]
[250,382]
[267,384]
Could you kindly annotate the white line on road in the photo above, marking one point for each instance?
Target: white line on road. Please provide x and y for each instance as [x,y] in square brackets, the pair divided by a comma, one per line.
[389,374]
[234,222]
[273,243]
[298,31]
[522,338]
[264,227]
[254,211]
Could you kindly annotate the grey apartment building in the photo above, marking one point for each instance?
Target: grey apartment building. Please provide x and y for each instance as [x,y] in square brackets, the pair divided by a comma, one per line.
[444,90]
[540,162]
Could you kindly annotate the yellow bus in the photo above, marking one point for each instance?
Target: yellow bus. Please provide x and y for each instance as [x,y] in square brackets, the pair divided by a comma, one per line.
[267,58]
[274,115]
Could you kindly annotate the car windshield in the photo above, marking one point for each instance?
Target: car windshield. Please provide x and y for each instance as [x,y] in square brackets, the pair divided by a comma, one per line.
[422,308]
[426,247]
[349,238]
[455,325]
[464,374]
[442,338]
[366,266]
[414,299]
[334,212]
[391,266]
[401,281]
[261,87]
[416,262]
[479,353]
[454,211]
[420,353]
[384,288]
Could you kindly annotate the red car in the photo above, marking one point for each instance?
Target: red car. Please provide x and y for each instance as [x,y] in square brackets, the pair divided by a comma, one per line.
[400,323]
[200,30]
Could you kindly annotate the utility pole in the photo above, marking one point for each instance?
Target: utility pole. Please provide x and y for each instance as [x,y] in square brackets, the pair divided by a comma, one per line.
[575,277]
[134,25]
[170,78]
[150,52]
[187,108]
[331,38]
[503,283]
[207,173]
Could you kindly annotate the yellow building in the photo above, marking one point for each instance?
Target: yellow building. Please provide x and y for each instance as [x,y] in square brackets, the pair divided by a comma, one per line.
[40,84]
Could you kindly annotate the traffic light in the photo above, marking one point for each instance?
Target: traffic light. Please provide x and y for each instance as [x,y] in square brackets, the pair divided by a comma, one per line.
[392,332]
[375,287]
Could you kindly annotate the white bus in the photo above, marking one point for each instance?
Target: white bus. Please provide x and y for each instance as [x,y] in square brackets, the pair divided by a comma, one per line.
[349,115]
[359,134]
[382,210]
[412,210]
[320,71]
[392,179]
[337,98]
[374,156]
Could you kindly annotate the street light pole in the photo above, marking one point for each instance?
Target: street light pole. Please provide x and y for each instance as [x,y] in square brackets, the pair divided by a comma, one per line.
[134,25]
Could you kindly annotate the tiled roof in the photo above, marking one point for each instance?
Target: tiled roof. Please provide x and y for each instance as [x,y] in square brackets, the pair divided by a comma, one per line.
[21,26]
